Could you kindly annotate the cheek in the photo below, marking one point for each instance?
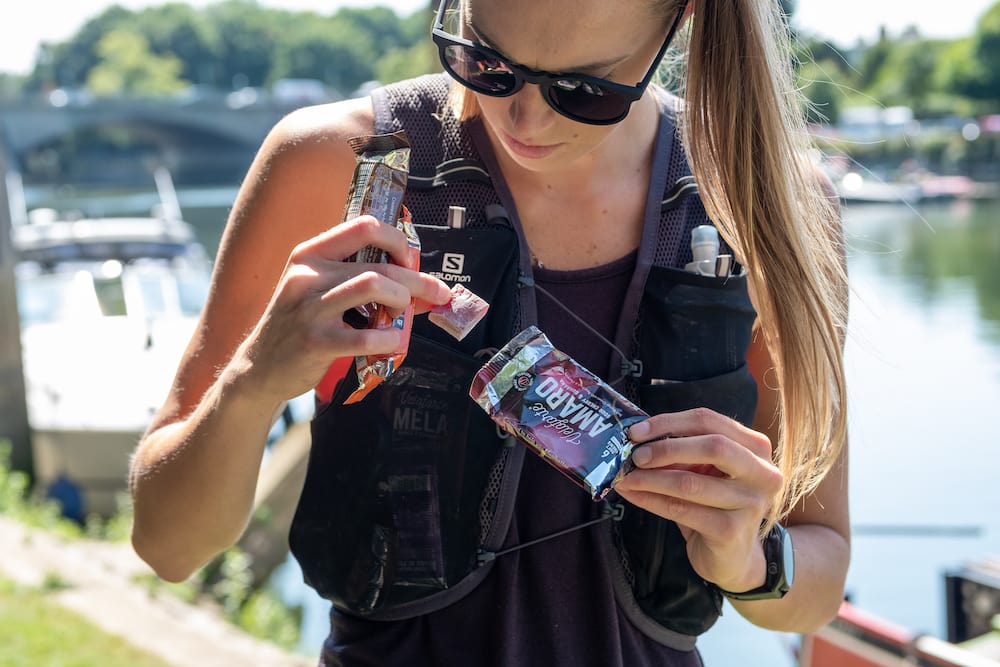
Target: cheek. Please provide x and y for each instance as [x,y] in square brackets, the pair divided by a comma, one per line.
[493,109]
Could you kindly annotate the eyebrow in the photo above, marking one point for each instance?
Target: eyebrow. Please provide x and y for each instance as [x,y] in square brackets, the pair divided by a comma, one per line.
[603,64]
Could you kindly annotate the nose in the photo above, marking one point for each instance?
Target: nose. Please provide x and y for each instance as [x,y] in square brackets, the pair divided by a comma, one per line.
[529,111]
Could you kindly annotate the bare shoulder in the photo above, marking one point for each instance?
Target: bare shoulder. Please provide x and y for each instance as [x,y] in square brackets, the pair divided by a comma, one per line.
[295,188]
[298,181]
[315,128]
[308,149]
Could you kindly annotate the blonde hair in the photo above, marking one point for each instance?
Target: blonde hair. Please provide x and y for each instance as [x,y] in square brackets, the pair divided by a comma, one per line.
[745,138]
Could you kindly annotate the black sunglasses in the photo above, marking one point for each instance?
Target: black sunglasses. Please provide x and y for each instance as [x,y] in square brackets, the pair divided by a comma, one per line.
[583,98]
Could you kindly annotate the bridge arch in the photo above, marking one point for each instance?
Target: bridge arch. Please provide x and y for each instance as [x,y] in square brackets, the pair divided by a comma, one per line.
[194,140]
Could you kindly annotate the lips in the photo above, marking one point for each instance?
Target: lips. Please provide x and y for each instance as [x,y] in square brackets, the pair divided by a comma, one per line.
[527,150]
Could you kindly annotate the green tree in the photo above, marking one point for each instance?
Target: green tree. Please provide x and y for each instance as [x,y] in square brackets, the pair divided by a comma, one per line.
[180,30]
[956,67]
[330,51]
[248,39]
[873,58]
[907,75]
[381,26]
[68,63]
[416,27]
[128,66]
[981,79]
[824,97]
[402,64]
[824,78]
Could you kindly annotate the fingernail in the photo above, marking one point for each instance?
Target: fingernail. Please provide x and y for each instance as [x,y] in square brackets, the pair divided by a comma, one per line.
[443,294]
[641,456]
[638,431]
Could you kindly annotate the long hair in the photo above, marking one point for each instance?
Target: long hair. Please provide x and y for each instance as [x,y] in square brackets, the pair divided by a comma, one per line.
[744,133]
[745,136]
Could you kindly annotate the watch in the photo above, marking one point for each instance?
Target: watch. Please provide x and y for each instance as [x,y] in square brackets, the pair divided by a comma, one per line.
[780,568]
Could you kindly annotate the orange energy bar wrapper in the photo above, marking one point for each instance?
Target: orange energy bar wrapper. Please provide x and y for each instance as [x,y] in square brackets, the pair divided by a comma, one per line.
[377,189]
[372,369]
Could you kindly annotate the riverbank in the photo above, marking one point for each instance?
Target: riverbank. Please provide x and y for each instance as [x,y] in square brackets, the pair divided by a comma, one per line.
[102,581]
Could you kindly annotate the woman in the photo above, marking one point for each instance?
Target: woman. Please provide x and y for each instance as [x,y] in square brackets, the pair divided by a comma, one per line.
[438,541]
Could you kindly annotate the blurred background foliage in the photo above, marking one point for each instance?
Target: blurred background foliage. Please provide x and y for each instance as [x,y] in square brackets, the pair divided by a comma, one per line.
[933,77]
[231,45]
[236,44]
[241,53]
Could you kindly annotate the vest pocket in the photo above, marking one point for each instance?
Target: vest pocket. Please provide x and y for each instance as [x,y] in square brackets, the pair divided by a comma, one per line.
[733,394]
[694,332]
[693,327]
[389,513]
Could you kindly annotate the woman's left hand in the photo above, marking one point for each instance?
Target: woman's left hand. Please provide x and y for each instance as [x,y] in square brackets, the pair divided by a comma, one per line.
[715,478]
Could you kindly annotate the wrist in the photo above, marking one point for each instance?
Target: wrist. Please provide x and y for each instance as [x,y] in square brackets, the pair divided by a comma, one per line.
[779,568]
[754,573]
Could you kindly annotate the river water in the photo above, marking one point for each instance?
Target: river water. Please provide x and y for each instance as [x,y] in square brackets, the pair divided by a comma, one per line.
[923,368]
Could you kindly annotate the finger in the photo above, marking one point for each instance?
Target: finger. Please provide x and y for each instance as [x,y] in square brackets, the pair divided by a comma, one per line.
[371,286]
[346,238]
[373,341]
[715,525]
[695,488]
[729,457]
[373,232]
[700,421]
[426,289]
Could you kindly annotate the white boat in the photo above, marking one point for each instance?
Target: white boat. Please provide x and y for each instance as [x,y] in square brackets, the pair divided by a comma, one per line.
[857,189]
[107,306]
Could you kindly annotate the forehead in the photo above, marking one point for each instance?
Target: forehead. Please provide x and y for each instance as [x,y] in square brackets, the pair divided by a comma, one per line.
[557,34]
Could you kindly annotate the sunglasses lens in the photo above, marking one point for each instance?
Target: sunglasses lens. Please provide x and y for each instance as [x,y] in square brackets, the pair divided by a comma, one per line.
[583,99]
[588,101]
[479,70]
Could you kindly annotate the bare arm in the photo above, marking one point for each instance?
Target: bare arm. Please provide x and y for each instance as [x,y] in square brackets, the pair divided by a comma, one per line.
[271,327]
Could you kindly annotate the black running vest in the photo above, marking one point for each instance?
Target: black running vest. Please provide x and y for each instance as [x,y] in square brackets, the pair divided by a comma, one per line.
[409,493]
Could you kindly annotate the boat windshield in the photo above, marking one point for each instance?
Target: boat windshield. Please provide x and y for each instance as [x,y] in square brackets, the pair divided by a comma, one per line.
[55,296]
[147,291]
[164,293]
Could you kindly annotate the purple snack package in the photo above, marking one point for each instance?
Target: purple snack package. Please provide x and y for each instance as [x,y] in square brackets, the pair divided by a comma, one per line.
[560,410]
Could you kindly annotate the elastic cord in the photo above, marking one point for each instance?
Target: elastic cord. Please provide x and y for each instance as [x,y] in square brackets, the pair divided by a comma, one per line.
[613,511]
[628,367]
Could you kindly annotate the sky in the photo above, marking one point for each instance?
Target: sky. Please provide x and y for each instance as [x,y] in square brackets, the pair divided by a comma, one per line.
[841,21]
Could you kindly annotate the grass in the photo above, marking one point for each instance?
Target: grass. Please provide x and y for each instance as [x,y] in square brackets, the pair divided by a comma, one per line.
[226,581]
[17,502]
[35,631]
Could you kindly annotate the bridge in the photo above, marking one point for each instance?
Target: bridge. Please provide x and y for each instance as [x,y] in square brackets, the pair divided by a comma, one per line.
[169,126]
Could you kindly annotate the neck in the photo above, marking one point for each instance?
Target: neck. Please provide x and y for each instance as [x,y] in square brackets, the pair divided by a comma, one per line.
[587,211]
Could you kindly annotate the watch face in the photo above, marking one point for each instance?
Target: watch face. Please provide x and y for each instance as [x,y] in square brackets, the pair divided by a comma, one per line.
[788,557]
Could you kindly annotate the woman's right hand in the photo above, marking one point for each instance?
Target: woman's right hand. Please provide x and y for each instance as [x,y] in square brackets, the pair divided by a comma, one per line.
[272,325]
[302,329]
